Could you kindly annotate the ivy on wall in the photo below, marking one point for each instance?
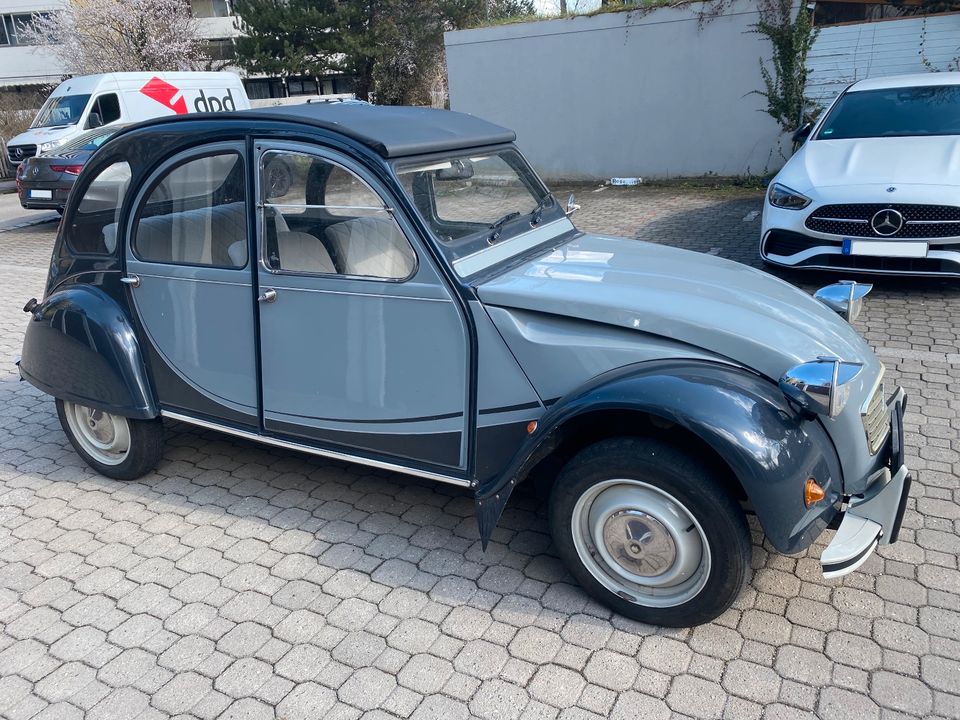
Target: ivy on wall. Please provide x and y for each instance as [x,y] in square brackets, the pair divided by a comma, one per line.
[785,80]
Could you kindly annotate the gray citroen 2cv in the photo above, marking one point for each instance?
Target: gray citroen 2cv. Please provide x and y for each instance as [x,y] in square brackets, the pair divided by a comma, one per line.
[412,297]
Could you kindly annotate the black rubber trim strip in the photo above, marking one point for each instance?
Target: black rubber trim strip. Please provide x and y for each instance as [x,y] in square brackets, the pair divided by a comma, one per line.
[835,567]
[510,408]
[901,509]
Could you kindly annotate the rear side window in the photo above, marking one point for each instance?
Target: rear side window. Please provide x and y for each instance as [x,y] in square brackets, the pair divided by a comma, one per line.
[196,215]
[93,230]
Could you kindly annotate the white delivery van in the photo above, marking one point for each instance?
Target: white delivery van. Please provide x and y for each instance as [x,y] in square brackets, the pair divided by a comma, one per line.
[88,101]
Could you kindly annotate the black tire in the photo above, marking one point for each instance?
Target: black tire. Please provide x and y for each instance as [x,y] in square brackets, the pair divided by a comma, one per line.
[669,472]
[142,456]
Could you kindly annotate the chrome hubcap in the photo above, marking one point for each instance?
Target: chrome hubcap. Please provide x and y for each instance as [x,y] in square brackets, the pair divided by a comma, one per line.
[104,436]
[641,543]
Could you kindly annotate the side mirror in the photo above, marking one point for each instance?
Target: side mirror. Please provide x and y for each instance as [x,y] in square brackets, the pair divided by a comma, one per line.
[802,133]
[572,206]
[94,121]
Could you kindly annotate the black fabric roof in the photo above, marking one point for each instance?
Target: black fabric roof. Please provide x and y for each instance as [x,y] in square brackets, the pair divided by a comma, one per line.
[393,131]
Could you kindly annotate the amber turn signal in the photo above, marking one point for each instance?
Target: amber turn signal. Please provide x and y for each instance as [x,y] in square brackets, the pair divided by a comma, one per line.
[812,492]
[532,427]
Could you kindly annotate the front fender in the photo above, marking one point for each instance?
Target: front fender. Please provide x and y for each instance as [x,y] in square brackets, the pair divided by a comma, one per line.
[745,418]
[80,346]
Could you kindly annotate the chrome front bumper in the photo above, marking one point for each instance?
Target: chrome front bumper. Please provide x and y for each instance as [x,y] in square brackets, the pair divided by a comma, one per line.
[875,518]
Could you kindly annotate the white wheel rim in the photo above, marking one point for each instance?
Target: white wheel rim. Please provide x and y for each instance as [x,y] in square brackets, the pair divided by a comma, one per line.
[102,435]
[641,543]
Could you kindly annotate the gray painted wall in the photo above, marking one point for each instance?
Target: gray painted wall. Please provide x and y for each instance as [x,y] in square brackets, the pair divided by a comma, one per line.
[623,94]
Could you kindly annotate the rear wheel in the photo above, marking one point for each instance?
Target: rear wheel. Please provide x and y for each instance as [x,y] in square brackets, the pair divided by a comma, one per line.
[113,445]
[650,532]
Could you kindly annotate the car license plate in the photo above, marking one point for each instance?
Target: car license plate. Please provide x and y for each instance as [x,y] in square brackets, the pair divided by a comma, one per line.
[42,194]
[888,248]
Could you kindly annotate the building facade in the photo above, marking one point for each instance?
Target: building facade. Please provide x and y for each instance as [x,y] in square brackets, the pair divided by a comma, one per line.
[27,72]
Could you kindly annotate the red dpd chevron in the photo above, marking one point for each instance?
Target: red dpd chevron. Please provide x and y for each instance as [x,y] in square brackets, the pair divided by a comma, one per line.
[163,92]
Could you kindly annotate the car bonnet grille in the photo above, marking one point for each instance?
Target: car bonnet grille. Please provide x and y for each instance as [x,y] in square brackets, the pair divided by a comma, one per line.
[853,220]
[16,153]
[876,420]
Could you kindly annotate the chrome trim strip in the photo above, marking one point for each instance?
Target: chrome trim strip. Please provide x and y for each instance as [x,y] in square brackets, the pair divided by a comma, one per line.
[489,256]
[931,222]
[345,457]
[846,220]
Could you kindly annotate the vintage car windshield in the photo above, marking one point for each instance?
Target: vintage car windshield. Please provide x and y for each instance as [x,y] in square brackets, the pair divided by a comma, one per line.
[895,112]
[475,200]
[61,110]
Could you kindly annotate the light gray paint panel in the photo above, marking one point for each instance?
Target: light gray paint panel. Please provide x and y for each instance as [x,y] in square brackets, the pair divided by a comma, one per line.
[500,381]
[560,354]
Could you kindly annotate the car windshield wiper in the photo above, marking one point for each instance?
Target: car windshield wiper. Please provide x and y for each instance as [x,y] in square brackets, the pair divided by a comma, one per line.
[497,226]
[537,213]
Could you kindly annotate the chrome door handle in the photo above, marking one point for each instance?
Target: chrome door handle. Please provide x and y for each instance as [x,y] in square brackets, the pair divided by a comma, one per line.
[131,280]
[269,295]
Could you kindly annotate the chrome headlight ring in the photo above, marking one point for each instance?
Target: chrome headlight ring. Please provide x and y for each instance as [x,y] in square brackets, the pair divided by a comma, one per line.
[821,386]
[844,297]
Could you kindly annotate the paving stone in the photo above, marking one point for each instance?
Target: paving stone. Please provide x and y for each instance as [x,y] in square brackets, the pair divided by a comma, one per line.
[696,697]
[498,700]
[556,686]
[425,674]
[307,701]
[367,688]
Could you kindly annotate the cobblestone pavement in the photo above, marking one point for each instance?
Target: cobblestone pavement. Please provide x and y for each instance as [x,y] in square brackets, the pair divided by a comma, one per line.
[248,583]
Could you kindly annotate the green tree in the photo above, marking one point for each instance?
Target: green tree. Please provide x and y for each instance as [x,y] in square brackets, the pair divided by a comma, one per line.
[288,37]
[388,47]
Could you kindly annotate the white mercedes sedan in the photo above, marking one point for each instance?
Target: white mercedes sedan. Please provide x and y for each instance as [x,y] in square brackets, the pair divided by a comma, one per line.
[875,187]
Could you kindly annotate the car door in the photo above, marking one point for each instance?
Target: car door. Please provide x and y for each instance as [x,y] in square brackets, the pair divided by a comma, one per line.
[192,286]
[362,345]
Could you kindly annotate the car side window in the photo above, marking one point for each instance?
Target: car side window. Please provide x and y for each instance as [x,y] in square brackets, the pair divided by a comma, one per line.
[108,108]
[93,230]
[195,214]
[319,217]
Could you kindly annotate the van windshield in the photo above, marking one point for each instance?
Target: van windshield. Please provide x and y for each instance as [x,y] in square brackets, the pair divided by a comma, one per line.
[61,110]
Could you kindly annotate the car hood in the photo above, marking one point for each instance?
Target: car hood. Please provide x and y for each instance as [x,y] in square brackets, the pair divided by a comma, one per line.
[35,136]
[721,306]
[874,161]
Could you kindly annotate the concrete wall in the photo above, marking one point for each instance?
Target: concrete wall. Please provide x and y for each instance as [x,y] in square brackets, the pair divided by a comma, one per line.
[845,53]
[623,94]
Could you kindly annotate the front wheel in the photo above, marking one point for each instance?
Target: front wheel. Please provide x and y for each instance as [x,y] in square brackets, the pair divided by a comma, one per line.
[113,445]
[650,532]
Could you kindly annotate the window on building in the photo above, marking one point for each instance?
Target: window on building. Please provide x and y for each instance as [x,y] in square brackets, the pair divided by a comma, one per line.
[210,8]
[302,87]
[13,26]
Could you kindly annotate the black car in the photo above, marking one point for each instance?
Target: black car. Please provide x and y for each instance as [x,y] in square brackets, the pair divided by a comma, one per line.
[45,181]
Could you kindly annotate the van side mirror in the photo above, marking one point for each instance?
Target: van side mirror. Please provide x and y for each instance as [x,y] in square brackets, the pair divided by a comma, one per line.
[94,121]
[802,133]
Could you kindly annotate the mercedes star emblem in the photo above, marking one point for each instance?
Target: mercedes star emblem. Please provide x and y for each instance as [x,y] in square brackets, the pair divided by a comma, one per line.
[887,222]
[36,170]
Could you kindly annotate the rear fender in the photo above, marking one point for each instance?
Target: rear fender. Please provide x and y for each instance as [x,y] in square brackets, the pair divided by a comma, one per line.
[744,418]
[80,346]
